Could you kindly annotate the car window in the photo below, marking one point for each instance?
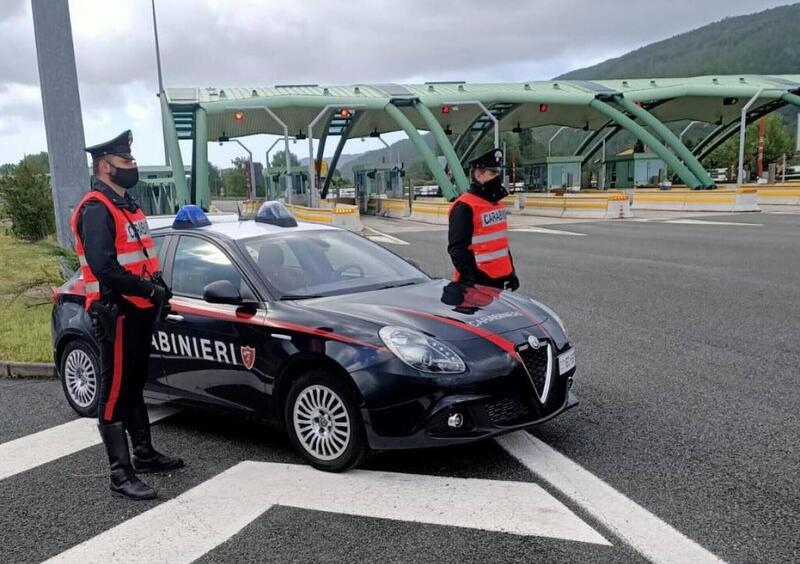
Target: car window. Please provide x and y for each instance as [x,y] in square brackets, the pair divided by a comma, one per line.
[158,247]
[199,262]
[326,263]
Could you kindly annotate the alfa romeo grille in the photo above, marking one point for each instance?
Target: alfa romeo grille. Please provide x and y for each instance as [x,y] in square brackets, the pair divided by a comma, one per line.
[509,411]
[538,364]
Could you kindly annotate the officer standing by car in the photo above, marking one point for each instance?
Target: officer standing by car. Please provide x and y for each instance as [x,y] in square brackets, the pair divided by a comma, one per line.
[478,232]
[124,295]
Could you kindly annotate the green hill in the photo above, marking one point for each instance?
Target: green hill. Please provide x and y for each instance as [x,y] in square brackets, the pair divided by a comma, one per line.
[766,42]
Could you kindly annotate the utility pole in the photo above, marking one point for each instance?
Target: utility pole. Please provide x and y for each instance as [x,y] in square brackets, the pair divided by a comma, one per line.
[160,81]
[61,102]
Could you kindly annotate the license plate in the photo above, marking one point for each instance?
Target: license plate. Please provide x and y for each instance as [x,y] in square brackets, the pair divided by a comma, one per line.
[566,361]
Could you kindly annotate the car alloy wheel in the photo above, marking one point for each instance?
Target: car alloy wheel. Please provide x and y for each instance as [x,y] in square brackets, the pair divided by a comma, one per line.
[80,378]
[321,422]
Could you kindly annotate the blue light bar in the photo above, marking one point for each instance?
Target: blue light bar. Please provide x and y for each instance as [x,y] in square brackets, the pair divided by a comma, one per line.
[190,216]
[275,213]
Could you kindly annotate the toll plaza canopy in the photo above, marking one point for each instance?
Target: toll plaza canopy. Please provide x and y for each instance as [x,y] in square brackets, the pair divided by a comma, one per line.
[459,115]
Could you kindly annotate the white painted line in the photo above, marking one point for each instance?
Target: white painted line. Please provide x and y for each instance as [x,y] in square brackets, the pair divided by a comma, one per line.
[25,453]
[187,527]
[637,527]
[706,222]
[545,231]
[384,237]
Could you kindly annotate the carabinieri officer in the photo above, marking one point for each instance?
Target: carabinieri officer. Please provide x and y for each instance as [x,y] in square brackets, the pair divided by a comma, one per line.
[124,294]
[478,233]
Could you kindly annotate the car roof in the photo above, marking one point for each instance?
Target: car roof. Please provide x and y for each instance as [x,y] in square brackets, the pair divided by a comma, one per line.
[229,225]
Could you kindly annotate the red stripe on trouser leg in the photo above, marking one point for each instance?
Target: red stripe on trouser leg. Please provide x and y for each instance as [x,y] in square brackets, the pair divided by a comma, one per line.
[117,377]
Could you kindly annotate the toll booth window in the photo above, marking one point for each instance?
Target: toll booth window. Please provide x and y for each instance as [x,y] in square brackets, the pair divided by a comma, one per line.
[198,263]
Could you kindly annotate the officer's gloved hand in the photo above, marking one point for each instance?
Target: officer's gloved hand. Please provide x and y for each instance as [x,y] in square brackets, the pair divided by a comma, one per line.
[512,283]
[158,295]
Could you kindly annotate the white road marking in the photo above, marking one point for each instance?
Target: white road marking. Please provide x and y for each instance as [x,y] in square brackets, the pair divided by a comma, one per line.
[545,231]
[382,237]
[188,526]
[386,239]
[25,453]
[707,222]
[637,527]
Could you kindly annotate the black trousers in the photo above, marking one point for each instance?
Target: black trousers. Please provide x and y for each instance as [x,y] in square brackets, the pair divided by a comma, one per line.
[124,364]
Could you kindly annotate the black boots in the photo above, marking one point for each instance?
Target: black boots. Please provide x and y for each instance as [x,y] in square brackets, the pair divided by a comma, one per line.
[145,457]
[123,481]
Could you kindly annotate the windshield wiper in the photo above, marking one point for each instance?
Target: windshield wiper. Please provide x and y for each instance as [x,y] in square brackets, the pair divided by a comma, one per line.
[288,297]
[389,286]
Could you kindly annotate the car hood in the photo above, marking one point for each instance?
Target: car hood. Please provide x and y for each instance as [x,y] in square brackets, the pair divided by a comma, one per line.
[438,307]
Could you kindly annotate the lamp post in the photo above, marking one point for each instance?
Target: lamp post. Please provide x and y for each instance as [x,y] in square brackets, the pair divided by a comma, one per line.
[266,165]
[252,167]
[550,141]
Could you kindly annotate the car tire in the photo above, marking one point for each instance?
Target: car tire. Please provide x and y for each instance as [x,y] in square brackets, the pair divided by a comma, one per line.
[324,423]
[80,377]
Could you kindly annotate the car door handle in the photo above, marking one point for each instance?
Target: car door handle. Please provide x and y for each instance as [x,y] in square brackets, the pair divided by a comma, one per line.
[174,317]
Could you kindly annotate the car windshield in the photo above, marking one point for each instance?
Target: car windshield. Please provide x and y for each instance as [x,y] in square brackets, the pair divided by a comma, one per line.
[308,264]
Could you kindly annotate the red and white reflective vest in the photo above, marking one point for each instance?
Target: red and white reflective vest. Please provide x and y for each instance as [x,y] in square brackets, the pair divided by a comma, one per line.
[489,236]
[130,252]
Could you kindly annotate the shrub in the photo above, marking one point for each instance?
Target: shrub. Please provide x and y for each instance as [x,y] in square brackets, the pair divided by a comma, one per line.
[28,203]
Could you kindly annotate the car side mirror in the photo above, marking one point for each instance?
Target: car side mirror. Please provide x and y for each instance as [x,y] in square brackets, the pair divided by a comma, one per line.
[222,292]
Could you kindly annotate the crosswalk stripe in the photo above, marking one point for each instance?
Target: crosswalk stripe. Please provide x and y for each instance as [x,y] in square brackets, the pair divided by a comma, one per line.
[190,525]
[26,453]
[709,222]
[545,231]
[637,527]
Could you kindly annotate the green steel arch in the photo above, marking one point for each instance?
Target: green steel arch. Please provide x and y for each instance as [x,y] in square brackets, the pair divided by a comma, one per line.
[639,106]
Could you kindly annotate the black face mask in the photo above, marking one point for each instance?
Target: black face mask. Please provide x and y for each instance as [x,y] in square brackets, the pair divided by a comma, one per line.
[125,177]
[494,190]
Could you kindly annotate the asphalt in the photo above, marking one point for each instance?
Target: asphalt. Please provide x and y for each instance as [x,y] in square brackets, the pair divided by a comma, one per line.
[689,365]
[688,342]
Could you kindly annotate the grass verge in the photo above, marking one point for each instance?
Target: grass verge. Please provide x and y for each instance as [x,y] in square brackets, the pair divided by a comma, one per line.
[28,272]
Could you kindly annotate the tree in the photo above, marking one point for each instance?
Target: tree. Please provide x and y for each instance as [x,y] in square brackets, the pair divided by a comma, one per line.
[233,179]
[278,160]
[776,142]
[214,179]
[28,202]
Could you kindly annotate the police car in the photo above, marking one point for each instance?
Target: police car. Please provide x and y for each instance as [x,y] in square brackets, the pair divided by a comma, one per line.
[348,346]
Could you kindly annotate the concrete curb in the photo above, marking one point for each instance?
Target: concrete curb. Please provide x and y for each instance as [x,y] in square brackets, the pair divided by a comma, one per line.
[9,369]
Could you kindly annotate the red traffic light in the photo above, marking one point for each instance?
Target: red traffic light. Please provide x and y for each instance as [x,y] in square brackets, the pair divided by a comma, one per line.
[345,113]
[543,108]
[639,103]
[445,110]
[238,117]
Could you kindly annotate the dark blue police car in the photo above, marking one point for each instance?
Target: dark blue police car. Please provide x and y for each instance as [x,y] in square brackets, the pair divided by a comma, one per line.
[350,347]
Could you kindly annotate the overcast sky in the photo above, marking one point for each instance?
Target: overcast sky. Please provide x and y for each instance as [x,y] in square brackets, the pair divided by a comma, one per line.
[267,42]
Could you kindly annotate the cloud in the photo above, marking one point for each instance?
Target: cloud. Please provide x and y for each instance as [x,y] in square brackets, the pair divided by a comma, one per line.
[262,43]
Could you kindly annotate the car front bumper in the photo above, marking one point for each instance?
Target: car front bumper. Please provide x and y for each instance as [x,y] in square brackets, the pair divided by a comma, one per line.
[485,411]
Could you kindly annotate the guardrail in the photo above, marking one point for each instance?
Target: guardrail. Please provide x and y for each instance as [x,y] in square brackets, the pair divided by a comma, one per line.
[787,194]
[614,205]
[430,211]
[342,215]
[741,199]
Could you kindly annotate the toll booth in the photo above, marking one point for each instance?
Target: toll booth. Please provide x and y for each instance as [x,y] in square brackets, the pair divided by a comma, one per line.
[277,181]
[156,193]
[377,181]
[629,170]
[553,173]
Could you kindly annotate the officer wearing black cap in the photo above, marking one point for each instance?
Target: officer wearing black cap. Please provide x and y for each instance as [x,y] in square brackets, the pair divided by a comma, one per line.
[478,232]
[124,295]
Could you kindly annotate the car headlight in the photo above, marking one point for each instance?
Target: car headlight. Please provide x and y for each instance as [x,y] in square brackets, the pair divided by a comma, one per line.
[421,352]
[552,315]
